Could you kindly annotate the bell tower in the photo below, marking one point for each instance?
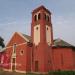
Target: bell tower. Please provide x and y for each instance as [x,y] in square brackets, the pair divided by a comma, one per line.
[41,29]
[42,37]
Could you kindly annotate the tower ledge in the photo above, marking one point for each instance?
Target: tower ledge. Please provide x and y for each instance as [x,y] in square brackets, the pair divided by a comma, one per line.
[41,7]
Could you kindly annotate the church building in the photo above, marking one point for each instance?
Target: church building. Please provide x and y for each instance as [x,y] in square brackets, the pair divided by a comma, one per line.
[38,53]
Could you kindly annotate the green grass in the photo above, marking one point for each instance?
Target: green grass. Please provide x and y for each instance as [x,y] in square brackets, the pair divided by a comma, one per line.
[50,73]
[16,73]
[62,73]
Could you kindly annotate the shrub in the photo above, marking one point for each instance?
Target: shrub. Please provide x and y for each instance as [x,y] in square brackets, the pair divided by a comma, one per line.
[61,73]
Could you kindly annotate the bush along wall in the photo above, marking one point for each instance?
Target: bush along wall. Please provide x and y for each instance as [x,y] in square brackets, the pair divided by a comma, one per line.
[61,73]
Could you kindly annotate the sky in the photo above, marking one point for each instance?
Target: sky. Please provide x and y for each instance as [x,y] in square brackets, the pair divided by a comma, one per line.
[15,16]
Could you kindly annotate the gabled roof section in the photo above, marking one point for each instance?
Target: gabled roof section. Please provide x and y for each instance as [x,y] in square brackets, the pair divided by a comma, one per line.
[26,37]
[61,43]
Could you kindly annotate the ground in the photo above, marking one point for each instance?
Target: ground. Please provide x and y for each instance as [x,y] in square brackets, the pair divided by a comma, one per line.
[15,73]
[50,73]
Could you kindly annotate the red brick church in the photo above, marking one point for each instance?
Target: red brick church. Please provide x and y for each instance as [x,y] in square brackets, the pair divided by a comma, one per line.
[38,53]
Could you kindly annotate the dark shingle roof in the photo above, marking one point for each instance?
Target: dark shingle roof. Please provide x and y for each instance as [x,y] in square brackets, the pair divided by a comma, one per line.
[28,37]
[61,43]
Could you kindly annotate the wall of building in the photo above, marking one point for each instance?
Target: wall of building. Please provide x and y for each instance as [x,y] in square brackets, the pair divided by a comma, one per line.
[15,39]
[62,58]
[23,61]
[22,54]
[73,51]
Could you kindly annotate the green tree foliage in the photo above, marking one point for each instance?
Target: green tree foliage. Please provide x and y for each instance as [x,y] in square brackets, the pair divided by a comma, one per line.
[2,42]
[61,73]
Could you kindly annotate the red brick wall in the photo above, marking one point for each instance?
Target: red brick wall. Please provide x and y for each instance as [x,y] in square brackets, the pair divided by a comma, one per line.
[62,58]
[23,62]
[41,51]
[16,38]
[73,51]
[41,54]
[7,61]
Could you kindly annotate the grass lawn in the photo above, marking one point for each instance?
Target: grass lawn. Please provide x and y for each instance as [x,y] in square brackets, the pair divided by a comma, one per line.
[50,73]
[15,73]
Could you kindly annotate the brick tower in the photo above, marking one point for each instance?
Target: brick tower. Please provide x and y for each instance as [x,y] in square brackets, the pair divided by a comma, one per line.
[42,37]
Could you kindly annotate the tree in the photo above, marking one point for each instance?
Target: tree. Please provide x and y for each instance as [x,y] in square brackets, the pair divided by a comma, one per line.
[2,42]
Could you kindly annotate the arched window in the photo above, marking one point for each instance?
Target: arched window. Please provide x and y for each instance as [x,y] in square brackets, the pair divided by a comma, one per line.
[47,28]
[39,16]
[36,28]
[35,17]
[47,18]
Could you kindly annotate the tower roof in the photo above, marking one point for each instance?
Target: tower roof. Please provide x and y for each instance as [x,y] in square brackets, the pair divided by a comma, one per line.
[39,8]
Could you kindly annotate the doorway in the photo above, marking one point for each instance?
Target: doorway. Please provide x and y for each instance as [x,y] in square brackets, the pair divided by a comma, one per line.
[13,64]
[36,66]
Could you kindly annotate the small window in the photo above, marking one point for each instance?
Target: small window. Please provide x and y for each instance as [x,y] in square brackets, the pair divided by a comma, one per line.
[36,28]
[39,16]
[45,16]
[21,52]
[47,28]
[35,17]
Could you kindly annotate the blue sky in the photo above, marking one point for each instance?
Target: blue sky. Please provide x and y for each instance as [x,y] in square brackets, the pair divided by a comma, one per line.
[15,16]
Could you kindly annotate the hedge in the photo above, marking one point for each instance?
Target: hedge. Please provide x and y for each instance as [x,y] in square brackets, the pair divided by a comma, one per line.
[61,73]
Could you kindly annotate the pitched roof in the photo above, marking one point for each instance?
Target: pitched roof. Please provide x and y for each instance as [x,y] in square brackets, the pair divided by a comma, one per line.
[61,43]
[28,37]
